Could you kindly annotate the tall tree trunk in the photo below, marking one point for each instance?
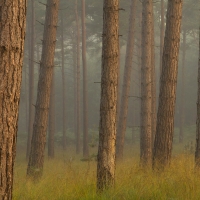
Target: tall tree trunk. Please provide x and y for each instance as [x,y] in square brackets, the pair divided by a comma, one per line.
[162,31]
[12,34]
[108,105]
[38,58]
[153,81]
[119,89]
[75,84]
[26,97]
[126,83]
[146,82]
[36,158]
[197,152]
[85,87]
[78,81]
[165,117]
[63,85]
[182,103]
[52,118]
[31,77]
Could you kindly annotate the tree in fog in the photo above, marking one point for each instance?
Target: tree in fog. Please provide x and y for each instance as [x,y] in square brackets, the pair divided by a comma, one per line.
[126,83]
[165,118]
[12,34]
[197,152]
[153,79]
[36,158]
[182,100]
[162,30]
[77,70]
[146,95]
[31,27]
[85,86]
[108,103]
[63,85]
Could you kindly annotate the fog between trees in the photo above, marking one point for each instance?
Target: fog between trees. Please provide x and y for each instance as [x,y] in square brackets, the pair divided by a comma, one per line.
[93,26]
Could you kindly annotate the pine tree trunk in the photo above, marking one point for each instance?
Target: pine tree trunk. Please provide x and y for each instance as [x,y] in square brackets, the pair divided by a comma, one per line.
[36,158]
[139,59]
[85,87]
[51,119]
[12,34]
[108,103]
[31,77]
[146,83]
[182,102]
[153,81]
[197,152]
[162,32]
[165,117]
[26,97]
[63,86]
[38,58]
[78,82]
[75,84]
[126,83]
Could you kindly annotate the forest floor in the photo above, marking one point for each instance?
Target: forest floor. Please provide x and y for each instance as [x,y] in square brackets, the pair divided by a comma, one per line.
[68,178]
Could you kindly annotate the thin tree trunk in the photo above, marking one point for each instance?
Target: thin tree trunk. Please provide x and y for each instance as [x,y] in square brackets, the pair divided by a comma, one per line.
[119,89]
[78,81]
[75,84]
[31,77]
[52,119]
[197,152]
[182,103]
[36,158]
[108,105]
[146,94]
[85,86]
[12,34]
[38,58]
[126,83]
[162,31]
[26,97]
[139,59]
[63,85]
[165,117]
[153,81]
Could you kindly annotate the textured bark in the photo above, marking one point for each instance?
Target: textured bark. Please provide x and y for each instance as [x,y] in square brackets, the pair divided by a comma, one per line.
[126,83]
[51,119]
[63,85]
[78,82]
[36,158]
[182,100]
[197,151]
[31,77]
[165,117]
[85,86]
[12,34]
[108,103]
[153,80]
[162,32]
[146,83]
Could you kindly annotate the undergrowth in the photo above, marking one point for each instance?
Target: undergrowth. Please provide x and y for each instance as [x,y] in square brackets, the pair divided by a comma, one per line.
[68,178]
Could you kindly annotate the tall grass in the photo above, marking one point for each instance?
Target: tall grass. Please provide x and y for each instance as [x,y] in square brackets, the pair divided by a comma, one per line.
[68,178]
